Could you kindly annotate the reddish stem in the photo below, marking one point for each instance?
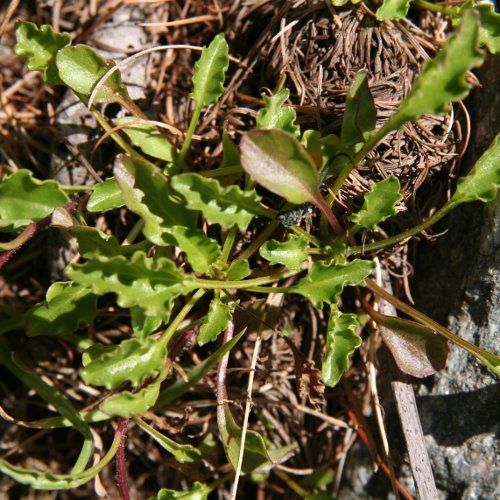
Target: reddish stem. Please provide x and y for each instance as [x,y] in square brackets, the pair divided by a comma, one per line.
[121,463]
[35,227]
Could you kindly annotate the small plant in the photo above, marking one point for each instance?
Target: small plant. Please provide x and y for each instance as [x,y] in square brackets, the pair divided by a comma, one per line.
[183,248]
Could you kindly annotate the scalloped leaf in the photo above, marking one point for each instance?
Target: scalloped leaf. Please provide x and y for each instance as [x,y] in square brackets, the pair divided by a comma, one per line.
[93,243]
[199,491]
[379,204]
[442,80]
[24,199]
[290,253]
[106,196]
[220,205]
[276,115]
[210,72]
[238,269]
[148,138]
[483,181]
[489,29]
[151,283]
[81,67]
[341,342]
[393,9]
[324,282]
[277,161]
[146,193]
[143,325]
[322,149]
[130,361]
[201,251]
[127,404]
[360,115]
[40,46]
[67,306]
[218,316]
[183,453]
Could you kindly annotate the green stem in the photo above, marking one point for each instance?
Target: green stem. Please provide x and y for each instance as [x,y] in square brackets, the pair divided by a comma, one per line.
[485,357]
[259,241]
[169,332]
[406,234]
[76,189]
[306,236]
[134,232]
[434,7]
[245,284]
[187,140]
[229,243]
[222,172]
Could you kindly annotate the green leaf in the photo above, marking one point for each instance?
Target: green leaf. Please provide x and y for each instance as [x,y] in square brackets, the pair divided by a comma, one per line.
[257,456]
[143,325]
[67,306]
[482,182]
[148,138]
[146,193]
[106,196]
[199,491]
[151,283]
[239,269]
[80,68]
[290,253]
[489,29]
[360,114]
[417,350]
[341,3]
[230,152]
[183,453]
[322,149]
[93,243]
[220,205]
[131,360]
[215,322]
[393,9]
[380,203]
[40,46]
[325,282]
[276,115]
[210,72]
[24,200]
[127,404]
[201,251]
[277,161]
[442,79]
[341,341]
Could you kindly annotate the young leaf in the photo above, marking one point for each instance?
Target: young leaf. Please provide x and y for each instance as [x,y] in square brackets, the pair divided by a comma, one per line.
[216,320]
[290,253]
[67,306]
[210,72]
[80,68]
[393,9]
[360,114]
[417,350]
[277,161]
[325,282]
[106,196]
[146,193]
[183,453]
[149,283]
[149,139]
[256,456]
[127,404]
[93,243]
[131,361]
[143,325]
[239,269]
[380,203]
[199,491]
[220,205]
[341,341]
[201,251]
[40,46]
[442,79]
[276,115]
[24,199]
[482,182]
